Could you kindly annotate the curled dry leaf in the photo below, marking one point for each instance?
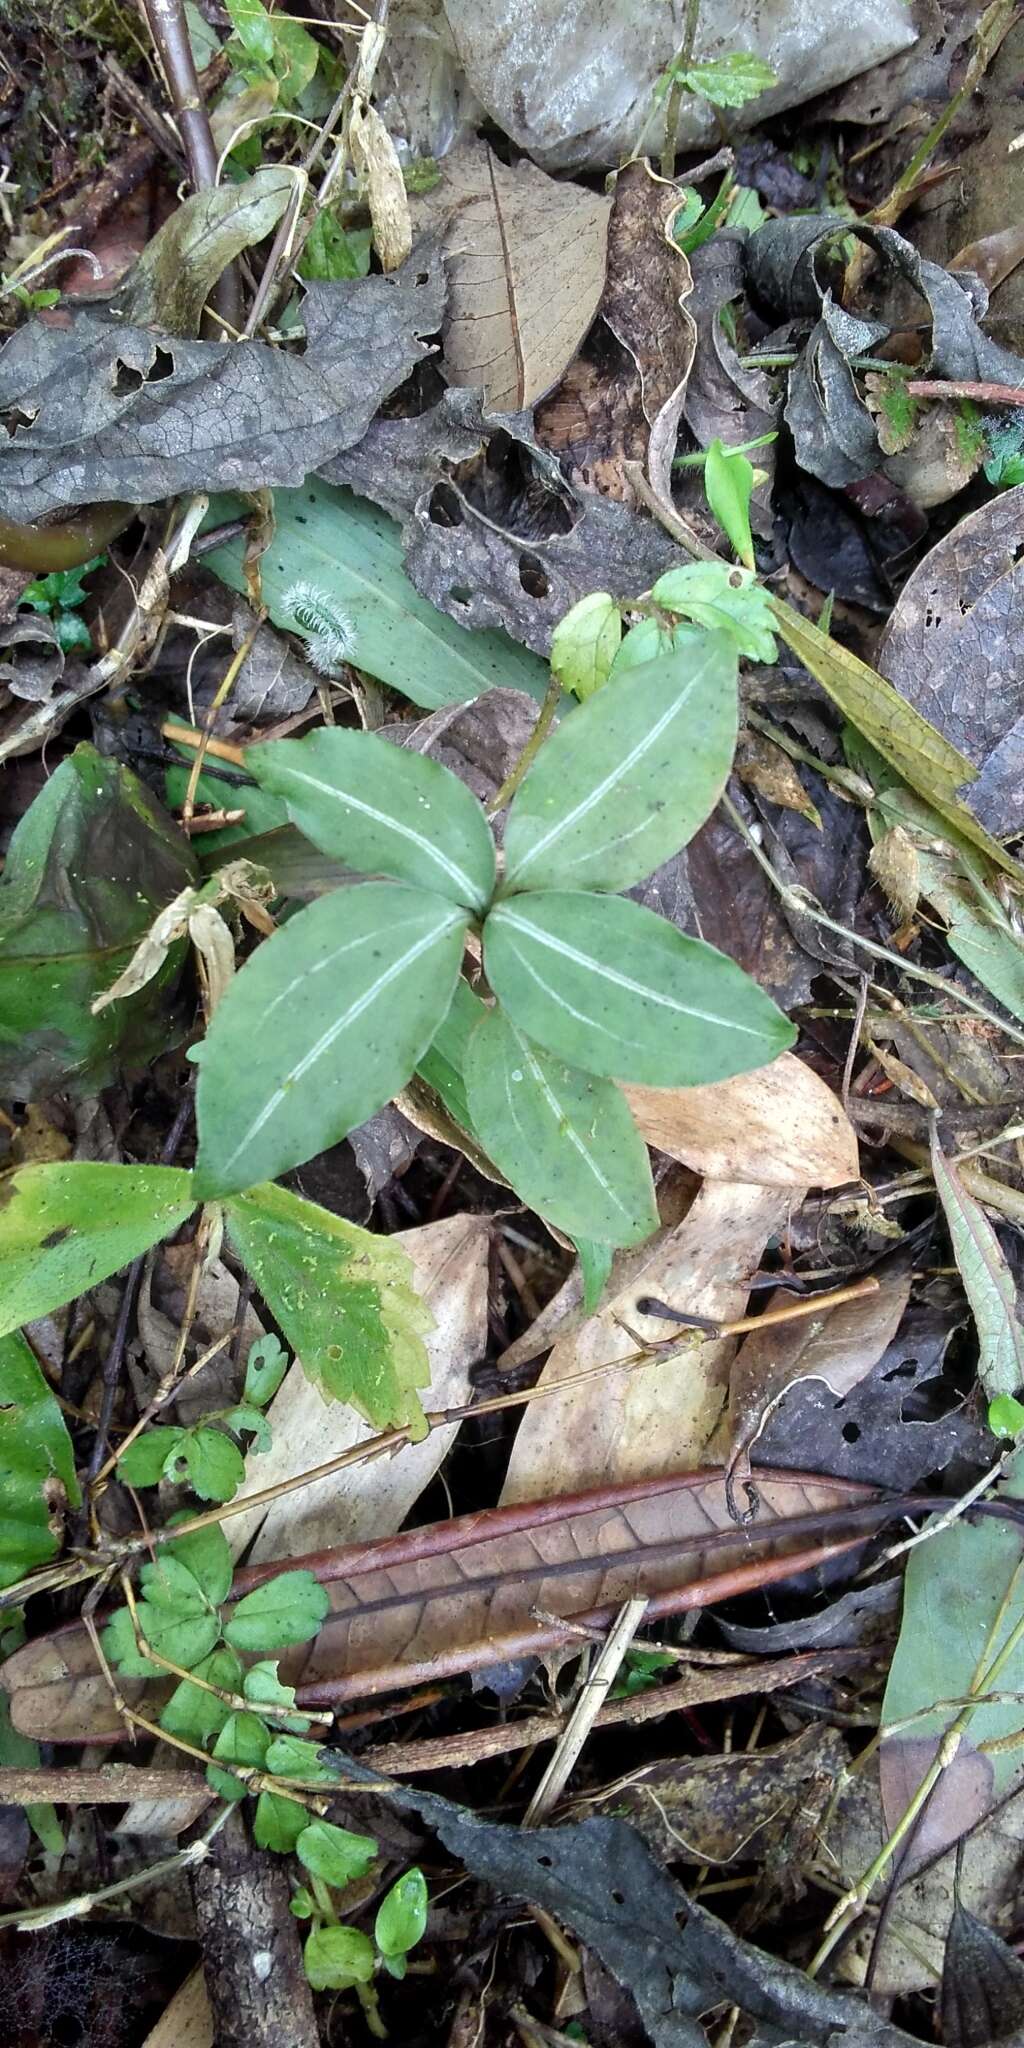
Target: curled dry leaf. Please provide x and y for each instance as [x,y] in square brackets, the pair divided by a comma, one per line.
[526,264]
[656,1417]
[468,1593]
[780,1126]
[371,1500]
[839,1346]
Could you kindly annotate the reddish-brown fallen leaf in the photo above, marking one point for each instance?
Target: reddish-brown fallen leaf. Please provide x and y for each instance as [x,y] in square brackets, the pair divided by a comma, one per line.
[475,1591]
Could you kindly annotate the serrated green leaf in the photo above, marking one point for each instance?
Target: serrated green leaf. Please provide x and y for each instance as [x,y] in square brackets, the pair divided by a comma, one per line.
[611,987]
[242,1740]
[344,1298]
[244,1417]
[194,1714]
[335,1957]
[333,1853]
[988,1282]
[626,780]
[729,487]
[584,644]
[565,1140]
[322,1026]
[146,1461]
[89,865]
[207,1554]
[724,599]
[263,1688]
[37,1467]
[182,1639]
[345,547]
[917,751]
[265,1368]
[292,1756]
[730,80]
[277,1824]
[286,1609]
[214,1465]
[67,1226]
[118,1641]
[382,809]
[402,1915]
[168,1584]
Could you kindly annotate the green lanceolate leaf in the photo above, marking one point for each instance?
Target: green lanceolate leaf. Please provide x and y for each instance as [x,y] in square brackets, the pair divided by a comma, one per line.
[346,551]
[37,1468]
[626,780]
[565,1140]
[69,1225]
[285,1609]
[584,644]
[334,1853]
[728,487]
[988,1281]
[322,1026]
[595,1267]
[343,1297]
[723,598]
[168,286]
[617,990]
[382,809]
[89,866]
[402,1915]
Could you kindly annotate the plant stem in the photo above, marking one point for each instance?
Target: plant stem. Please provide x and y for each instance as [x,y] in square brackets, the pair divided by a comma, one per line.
[168,28]
[533,745]
[675,97]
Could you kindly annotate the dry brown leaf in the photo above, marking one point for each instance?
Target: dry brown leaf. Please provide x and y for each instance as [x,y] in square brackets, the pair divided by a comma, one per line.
[839,1346]
[770,771]
[372,1500]
[526,266]
[780,1126]
[657,1417]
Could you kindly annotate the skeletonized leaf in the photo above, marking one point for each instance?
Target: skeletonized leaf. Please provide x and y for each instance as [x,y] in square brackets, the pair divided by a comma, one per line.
[988,1282]
[343,1297]
[322,1026]
[615,989]
[780,1126]
[67,1226]
[382,809]
[627,779]
[37,1466]
[565,1140]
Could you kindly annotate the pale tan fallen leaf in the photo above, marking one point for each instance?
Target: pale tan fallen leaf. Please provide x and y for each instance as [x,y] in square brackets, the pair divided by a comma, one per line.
[371,1500]
[526,267]
[839,1346]
[652,1419]
[780,1126]
[188,2021]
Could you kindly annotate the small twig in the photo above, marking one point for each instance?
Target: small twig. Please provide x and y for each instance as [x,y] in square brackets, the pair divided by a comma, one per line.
[75,1909]
[964,387]
[111,1785]
[585,1712]
[675,97]
[542,727]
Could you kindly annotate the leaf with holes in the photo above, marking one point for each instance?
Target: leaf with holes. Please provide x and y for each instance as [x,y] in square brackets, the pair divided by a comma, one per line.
[564,1139]
[321,1028]
[616,989]
[627,779]
[382,809]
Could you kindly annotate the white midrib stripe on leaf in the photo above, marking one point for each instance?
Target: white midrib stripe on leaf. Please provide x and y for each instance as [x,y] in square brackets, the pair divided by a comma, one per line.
[634,988]
[586,804]
[564,1125]
[467,887]
[340,1024]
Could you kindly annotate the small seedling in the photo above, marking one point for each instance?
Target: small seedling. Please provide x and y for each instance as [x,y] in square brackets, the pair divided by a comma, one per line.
[58,597]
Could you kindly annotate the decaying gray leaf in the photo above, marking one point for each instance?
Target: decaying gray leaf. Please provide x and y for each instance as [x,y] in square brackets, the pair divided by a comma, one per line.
[511,546]
[526,260]
[954,650]
[31,657]
[102,410]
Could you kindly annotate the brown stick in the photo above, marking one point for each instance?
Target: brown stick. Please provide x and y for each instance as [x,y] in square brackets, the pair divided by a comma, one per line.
[252,1960]
[964,387]
[112,1785]
[166,19]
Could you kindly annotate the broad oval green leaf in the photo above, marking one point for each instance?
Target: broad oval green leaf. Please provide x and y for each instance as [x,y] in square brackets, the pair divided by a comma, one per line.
[617,990]
[322,1026]
[334,1853]
[285,1609]
[565,1140]
[67,1226]
[584,644]
[382,809]
[335,1957]
[344,1298]
[278,1822]
[37,1467]
[627,779]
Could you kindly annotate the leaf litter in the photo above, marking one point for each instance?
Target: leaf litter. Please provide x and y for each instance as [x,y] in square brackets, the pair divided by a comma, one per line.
[712,1512]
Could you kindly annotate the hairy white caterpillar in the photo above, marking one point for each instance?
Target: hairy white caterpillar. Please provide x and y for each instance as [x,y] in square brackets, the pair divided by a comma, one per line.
[328,631]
